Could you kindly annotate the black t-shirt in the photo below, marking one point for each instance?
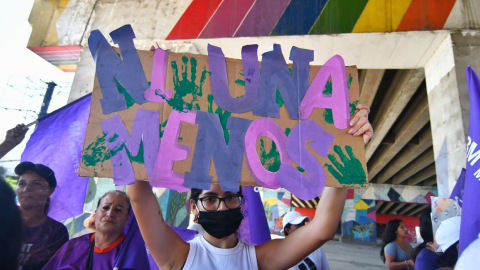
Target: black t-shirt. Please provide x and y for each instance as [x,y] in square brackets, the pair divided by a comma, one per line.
[40,243]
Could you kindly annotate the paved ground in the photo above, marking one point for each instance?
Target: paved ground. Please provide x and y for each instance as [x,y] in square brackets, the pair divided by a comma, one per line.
[347,256]
[342,256]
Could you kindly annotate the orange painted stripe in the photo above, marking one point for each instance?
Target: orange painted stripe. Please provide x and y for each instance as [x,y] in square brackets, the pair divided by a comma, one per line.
[426,15]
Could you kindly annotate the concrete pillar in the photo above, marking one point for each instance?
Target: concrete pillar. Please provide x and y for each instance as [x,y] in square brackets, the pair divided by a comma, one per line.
[449,103]
[359,218]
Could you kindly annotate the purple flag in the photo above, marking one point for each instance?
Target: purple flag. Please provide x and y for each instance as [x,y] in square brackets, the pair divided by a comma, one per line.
[458,190]
[133,253]
[254,227]
[57,142]
[470,226]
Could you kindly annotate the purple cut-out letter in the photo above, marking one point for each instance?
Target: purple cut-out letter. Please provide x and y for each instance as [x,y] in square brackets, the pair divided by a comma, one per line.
[275,74]
[128,72]
[210,143]
[258,128]
[157,91]
[303,186]
[337,101]
[219,80]
[170,151]
[144,130]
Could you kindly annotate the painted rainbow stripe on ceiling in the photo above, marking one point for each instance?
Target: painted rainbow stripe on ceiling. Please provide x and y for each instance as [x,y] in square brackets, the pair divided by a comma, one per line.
[63,57]
[254,18]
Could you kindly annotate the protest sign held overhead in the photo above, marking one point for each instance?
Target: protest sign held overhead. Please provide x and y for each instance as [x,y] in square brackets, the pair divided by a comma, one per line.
[185,120]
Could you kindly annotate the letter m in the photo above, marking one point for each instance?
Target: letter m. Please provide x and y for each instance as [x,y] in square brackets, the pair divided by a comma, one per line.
[473,156]
[128,72]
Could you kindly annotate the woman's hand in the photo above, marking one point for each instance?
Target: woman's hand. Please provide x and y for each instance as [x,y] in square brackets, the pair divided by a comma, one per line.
[360,124]
[410,263]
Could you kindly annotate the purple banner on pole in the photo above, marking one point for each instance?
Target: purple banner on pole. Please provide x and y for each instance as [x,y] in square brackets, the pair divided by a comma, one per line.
[57,142]
[459,189]
[470,225]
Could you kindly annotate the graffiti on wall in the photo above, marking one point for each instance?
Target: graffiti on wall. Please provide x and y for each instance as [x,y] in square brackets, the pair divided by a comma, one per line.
[358,218]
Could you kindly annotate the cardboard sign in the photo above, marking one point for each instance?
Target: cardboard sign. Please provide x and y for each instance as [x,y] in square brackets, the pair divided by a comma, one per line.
[185,120]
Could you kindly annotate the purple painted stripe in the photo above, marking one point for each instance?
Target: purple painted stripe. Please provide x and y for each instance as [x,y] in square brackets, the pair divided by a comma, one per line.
[227,18]
[262,18]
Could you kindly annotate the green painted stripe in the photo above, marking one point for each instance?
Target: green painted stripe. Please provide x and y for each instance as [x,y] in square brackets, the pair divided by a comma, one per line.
[338,16]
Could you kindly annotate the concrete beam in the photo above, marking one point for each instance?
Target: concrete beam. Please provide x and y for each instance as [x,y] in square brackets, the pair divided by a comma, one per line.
[369,81]
[430,181]
[403,158]
[386,207]
[414,122]
[422,175]
[418,209]
[414,167]
[378,204]
[406,209]
[404,85]
[397,208]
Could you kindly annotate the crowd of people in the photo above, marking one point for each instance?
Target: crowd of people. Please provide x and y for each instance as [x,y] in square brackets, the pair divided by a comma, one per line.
[32,240]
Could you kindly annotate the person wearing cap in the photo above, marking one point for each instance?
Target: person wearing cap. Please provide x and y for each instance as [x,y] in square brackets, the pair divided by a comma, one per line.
[317,259]
[43,236]
[447,237]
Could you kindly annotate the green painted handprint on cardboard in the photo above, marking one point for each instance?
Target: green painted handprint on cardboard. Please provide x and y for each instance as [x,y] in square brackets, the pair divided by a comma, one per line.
[187,92]
[351,171]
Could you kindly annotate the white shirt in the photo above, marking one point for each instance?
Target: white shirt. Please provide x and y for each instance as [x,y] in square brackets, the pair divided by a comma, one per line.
[315,261]
[203,255]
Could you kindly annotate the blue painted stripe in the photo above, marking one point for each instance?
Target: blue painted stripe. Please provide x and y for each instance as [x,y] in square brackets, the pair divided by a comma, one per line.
[299,17]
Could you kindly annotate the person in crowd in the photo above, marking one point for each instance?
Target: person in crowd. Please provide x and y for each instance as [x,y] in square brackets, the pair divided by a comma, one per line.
[447,237]
[425,255]
[395,252]
[470,258]
[10,228]
[293,221]
[13,138]
[43,236]
[100,250]
[219,213]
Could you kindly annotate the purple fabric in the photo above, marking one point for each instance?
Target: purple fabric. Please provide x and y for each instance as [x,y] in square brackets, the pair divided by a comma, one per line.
[470,226]
[40,244]
[261,18]
[133,253]
[74,254]
[259,232]
[426,260]
[57,143]
[458,190]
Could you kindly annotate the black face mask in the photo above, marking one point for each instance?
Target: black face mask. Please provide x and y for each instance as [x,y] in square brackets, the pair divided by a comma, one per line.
[220,224]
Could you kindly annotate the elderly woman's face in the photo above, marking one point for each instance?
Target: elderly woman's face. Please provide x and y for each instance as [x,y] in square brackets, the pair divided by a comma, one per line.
[111,215]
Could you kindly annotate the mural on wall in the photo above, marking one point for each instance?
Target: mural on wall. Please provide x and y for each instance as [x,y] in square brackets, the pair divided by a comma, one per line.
[174,205]
[276,204]
[246,18]
[399,193]
[358,218]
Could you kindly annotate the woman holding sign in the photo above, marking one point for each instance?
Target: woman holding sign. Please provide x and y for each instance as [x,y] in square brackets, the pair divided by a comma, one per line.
[219,213]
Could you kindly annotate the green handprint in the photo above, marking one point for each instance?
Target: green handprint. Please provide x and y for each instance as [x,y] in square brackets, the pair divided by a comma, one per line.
[327,114]
[186,88]
[351,172]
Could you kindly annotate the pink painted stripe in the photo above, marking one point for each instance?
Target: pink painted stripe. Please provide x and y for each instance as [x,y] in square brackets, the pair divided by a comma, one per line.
[262,18]
[227,18]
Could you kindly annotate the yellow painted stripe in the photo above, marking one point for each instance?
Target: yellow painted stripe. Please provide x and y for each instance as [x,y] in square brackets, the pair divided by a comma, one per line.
[381,16]
[67,66]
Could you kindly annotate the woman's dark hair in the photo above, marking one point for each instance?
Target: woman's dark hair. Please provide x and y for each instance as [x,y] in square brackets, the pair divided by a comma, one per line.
[11,234]
[195,193]
[389,235]
[288,226]
[425,231]
[449,257]
[117,192]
